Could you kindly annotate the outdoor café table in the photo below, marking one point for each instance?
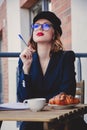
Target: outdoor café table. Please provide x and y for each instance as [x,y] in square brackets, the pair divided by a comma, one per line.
[49,116]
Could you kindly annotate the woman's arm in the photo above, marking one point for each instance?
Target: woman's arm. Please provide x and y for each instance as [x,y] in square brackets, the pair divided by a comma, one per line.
[23,83]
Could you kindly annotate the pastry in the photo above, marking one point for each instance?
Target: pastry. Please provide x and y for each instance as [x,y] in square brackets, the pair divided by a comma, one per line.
[64,99]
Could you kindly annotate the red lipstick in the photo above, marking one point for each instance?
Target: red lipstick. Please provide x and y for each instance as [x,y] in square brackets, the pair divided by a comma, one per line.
[40,34]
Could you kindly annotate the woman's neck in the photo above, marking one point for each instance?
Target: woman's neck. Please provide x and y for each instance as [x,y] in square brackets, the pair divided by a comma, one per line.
[44,51]
[44,55]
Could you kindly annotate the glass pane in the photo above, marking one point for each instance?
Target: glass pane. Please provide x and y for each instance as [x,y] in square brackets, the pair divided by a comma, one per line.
[0,73]
[50,6]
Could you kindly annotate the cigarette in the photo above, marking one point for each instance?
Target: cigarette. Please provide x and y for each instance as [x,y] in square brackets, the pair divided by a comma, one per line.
[22,39]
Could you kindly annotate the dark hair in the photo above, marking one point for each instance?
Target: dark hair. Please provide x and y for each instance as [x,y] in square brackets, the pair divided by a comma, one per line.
[57,44]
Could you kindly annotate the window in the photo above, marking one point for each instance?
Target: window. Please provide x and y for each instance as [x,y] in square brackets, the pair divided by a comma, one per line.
[0,74]
[49,6]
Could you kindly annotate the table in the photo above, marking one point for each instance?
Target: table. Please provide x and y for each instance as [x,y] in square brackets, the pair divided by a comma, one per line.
[50,117]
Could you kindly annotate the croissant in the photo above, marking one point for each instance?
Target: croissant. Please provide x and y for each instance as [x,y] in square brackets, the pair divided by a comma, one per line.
[64,99]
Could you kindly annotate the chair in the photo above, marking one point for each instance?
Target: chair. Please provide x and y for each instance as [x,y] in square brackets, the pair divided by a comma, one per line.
[80,86]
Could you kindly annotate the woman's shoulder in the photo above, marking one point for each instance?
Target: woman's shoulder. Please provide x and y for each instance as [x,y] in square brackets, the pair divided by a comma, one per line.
[67,54]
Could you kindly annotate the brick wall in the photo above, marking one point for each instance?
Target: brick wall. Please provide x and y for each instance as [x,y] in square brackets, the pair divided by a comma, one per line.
[4,46]
[62,9]
[27,3]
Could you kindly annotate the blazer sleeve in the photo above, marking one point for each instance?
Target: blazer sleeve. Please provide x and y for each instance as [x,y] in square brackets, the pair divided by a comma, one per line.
[23,83]
[68,83]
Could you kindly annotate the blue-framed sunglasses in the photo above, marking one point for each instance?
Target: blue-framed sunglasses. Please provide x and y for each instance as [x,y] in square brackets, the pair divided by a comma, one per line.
[44,26]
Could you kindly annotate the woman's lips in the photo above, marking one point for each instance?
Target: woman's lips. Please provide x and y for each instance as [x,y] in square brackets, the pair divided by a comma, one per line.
[40,34]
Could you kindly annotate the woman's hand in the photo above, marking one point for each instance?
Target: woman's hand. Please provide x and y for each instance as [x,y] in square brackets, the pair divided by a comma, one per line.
[26,57]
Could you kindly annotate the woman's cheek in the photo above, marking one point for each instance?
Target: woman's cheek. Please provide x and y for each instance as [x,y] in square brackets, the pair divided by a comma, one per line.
[34,36]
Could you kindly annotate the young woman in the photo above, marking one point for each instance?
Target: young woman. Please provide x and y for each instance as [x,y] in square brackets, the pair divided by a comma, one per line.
[45,69]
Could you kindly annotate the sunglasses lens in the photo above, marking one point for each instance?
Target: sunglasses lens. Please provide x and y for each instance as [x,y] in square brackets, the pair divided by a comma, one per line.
[35,26]
[46,26]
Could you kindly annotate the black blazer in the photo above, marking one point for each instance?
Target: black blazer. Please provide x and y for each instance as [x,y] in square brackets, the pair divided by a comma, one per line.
[59,77]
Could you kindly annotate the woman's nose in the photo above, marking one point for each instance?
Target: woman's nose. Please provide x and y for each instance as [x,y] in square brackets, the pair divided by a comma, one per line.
[40,27]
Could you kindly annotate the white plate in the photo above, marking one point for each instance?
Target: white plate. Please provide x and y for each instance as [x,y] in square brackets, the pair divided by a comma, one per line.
[13,106]
[54,106]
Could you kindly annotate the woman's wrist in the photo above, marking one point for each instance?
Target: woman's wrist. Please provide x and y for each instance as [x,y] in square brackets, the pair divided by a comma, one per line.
[25,70]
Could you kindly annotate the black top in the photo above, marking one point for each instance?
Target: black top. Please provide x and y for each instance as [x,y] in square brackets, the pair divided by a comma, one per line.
[59,77]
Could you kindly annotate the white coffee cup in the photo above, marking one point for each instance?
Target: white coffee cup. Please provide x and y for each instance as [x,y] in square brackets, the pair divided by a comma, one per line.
[35,104]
